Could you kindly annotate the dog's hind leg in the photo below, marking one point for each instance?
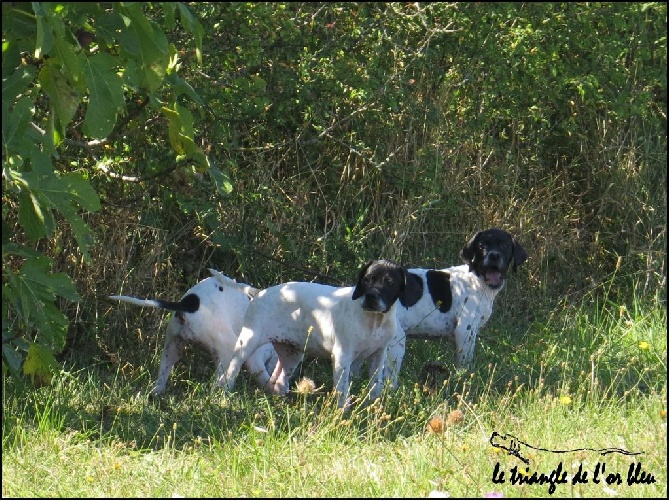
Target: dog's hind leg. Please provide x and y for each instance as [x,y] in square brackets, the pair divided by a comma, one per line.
[289,359]
[172,353]
[261,365]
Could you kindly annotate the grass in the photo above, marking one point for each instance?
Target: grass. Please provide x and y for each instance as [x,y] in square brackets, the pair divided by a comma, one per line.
[592,377]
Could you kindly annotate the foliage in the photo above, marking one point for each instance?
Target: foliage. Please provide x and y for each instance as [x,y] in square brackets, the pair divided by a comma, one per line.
[344,131]
[74,75]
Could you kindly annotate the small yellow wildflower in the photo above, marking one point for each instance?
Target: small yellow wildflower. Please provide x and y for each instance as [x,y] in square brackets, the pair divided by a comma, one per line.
[663,413]
[565,400]
[643,345]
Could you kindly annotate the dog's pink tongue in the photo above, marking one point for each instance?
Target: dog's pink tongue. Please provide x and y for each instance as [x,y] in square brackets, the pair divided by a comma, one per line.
[493,277]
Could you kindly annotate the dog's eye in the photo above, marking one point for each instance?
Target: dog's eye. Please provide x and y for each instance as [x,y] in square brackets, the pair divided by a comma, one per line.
[388,282]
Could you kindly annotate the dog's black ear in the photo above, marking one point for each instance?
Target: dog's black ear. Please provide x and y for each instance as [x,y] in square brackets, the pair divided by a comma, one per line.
[360,290]
[413,289]
[468,252]
[518,254]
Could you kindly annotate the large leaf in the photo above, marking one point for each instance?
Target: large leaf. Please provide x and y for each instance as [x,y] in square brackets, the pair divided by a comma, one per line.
[14,125]
[48,192]
[105,95]
[40,364]
[46,286]
[45,38]
[221,179]
[63,97]
[33,218]
[146,45]
[181,86]
[32,291]
[17,83]
[193,26]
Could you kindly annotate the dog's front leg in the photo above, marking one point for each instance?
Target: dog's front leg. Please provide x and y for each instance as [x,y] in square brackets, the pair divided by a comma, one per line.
[376,363]
[341,377]
[465,338]
[394,356]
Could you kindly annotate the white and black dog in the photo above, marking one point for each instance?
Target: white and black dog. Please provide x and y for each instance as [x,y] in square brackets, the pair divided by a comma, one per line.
[344,324]
[210,314]
[456,302]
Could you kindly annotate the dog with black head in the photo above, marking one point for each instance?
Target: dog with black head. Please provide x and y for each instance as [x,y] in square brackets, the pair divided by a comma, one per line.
[456,302]
[344,324]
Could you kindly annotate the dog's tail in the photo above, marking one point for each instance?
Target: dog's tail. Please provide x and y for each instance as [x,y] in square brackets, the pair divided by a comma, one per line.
[188,304]
[225,281]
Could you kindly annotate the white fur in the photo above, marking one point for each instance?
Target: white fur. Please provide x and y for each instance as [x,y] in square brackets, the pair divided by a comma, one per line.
[214,326]
[471,289]
[460,324]
[322,321]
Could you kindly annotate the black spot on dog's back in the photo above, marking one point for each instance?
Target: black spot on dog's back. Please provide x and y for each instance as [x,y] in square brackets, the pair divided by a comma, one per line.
[413,290]
[439,287]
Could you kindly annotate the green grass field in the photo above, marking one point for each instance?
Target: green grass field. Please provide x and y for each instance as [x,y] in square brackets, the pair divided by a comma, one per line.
[590,379]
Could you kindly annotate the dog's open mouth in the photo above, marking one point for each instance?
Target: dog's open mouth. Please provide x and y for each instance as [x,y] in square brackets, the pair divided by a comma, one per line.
[494,278]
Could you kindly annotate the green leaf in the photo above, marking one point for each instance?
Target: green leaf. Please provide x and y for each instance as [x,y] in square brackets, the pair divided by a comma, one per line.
[144,41]
[168,10]
[108,27]
[31,217]
[80,190]
[20,250]
[14,127]
[40,364]
[72,62]
[63,97]
[32,293]
[48,286]
[193,26]
[18,82]
[11,355]
[105,95]
[221,180]
[44,40]
[181,87]
[47,192]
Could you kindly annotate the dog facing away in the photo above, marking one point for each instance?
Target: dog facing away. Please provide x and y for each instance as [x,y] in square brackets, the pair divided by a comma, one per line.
[210,314]
[343,324]
[456,302]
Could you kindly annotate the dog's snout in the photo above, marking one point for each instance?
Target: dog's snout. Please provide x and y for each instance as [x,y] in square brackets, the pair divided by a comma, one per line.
[372,301]
[493,258]
[371,297]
